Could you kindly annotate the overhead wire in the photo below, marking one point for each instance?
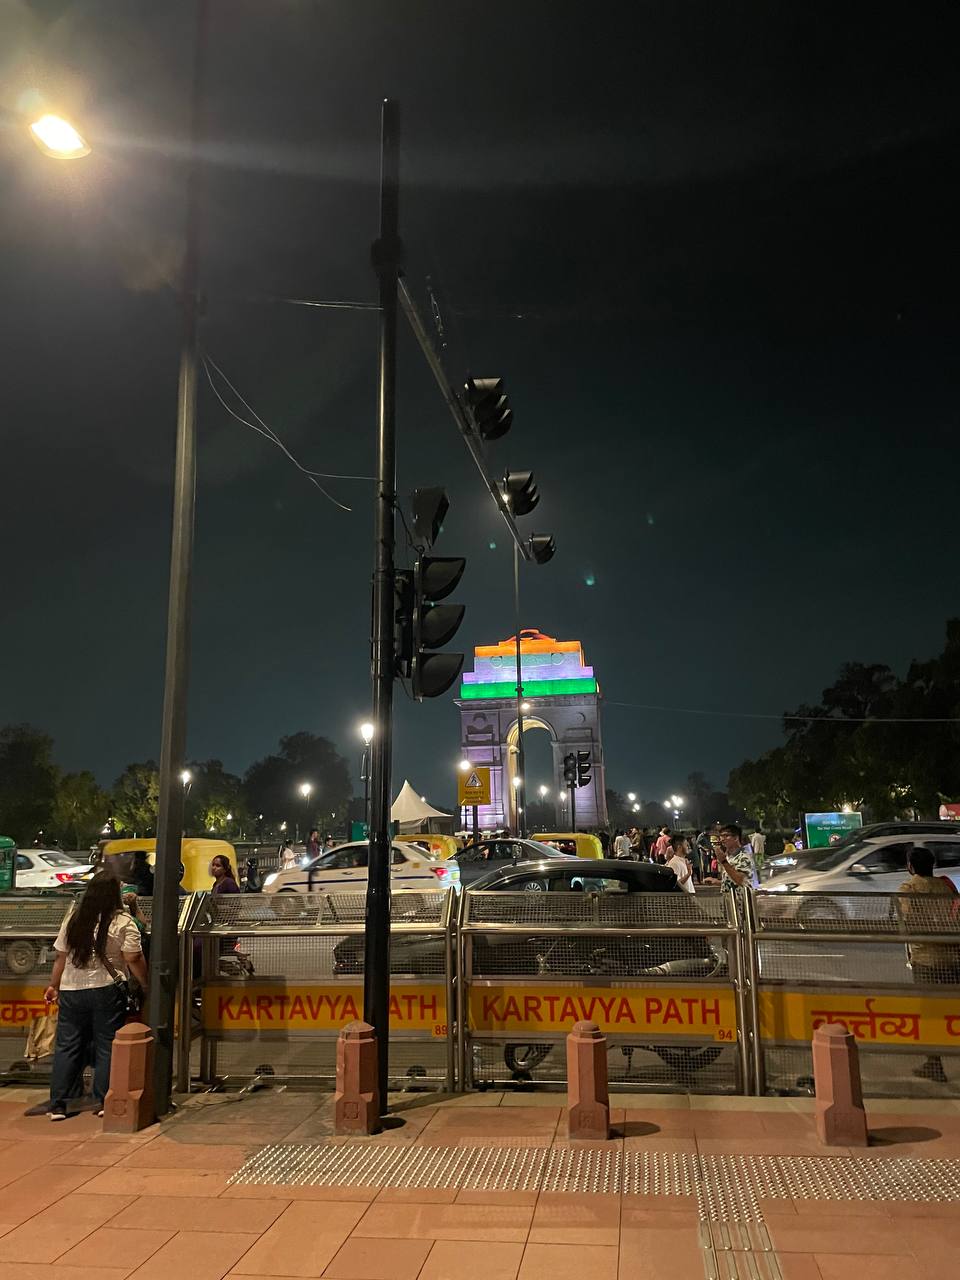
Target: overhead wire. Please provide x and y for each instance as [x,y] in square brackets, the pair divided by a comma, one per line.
[769,715]
[263,429]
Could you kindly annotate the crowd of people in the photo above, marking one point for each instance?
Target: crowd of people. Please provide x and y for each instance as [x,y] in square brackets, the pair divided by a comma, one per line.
[718,855]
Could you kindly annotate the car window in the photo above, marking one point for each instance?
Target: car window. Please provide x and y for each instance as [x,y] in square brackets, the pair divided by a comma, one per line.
[472,853]
[398,857]
[56,859]
[946,852]
[24,863]
[346,858]
[890,857]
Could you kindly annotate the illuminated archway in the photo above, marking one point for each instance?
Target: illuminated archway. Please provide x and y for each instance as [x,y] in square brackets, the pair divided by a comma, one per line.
[564,700]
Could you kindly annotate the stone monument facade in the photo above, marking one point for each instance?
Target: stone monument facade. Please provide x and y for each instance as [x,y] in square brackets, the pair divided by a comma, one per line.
[563,697]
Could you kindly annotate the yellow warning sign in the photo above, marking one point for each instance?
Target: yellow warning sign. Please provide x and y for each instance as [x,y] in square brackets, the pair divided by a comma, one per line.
[474,786]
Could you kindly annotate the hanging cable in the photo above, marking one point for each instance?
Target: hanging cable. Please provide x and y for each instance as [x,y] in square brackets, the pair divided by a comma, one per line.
[768,715]
[262,429]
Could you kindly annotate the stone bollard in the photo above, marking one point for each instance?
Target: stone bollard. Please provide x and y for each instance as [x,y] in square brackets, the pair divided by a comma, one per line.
[129,1106]
[588,1096]
[356,1103]
[841,1119]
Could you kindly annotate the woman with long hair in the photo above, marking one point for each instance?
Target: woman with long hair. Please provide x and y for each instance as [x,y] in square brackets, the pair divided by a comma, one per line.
[224,881]
[97,945]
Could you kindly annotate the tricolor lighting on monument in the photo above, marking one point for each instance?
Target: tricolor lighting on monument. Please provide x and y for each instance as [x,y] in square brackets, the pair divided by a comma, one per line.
[550,669]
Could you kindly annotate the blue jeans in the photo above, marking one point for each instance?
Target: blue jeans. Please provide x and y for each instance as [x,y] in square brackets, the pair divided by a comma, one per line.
[87,1020]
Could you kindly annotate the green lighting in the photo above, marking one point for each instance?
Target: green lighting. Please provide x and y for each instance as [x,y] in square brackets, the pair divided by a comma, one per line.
[531,689]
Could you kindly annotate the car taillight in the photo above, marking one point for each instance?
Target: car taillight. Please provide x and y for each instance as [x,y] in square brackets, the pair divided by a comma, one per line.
[63,877]
[440,872]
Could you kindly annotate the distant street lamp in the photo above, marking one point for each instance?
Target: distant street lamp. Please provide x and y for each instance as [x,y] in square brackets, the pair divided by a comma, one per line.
[632,796]
[366,733]
[306,790]
[676,804]
[544,792]
[58,138]
[186,777]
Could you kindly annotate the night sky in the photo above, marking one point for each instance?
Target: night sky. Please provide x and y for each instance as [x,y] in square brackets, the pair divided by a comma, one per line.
[711,248]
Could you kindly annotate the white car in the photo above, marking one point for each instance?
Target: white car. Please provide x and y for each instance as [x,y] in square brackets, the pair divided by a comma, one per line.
[47,868]
[344,869]
[869,864]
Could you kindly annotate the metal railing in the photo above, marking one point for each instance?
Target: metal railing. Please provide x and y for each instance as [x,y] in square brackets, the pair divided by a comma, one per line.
[659,973]
[486,987]
[280,974]
[887,965]
[28,929]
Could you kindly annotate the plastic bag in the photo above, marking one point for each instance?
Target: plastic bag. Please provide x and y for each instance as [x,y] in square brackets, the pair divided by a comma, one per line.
[42,1035]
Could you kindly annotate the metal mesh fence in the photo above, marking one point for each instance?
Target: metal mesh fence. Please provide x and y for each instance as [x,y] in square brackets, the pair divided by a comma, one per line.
[788,1070]
[895,913]
[412,1064]
[614,910]
[580,954]
[694,1068]
[306,911]
[33,915]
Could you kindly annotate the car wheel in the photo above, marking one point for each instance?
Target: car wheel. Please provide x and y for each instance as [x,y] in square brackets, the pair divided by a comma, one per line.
[20,957]
[533,886]
[521,1059]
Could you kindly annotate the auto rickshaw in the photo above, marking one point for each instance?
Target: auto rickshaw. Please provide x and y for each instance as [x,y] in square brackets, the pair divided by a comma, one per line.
[195,854]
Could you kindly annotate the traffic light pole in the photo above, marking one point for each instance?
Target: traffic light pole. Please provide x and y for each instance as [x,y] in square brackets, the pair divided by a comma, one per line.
[521,790]
[165,950]
[386,261]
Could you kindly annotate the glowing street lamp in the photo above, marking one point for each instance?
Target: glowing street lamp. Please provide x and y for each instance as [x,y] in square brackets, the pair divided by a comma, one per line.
[186,777]
[632,796]
[516,780]
[544,792]
[305,789]
[366,732]
[464,766]
[58,138]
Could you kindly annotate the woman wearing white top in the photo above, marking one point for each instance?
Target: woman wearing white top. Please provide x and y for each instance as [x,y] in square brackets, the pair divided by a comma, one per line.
[96,937]
[679,863]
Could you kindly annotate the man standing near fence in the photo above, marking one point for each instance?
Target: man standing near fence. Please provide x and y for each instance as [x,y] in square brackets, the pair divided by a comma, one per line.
[932,963]
[735,860]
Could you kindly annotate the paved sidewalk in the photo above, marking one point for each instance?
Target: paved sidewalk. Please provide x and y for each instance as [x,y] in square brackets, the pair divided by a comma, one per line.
[481,1187]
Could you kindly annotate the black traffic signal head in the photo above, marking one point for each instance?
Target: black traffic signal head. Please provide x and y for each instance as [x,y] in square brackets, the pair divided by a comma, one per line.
[435,625]
[583,768]
[570,770]
[429,507]
[491,410]
[542,547]
[521,491]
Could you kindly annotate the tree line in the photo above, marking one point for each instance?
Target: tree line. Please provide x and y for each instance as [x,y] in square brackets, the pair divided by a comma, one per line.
[887,746]
[40,803]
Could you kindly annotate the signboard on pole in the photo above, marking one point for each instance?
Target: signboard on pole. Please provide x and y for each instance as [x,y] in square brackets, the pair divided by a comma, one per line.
[822,827]
[473,786]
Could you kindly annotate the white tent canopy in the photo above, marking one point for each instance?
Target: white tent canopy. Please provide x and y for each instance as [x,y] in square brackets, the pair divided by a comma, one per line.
[409,810]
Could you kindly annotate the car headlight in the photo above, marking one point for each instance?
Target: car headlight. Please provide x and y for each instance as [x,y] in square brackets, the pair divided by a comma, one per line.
[781,888]
[784,862]
[274,875]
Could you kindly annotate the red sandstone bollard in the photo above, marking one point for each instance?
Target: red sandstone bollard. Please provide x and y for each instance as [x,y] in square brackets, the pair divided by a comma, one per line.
[129,1106]
[356,1104]
[841,1119]
[588,1095]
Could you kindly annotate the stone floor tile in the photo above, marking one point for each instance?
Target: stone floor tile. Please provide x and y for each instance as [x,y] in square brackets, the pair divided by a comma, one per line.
[446,1222]
[201,1255]
[369,1259]
[157,1182]
[448,1260]
[302,1241]
[109,1247]
[875,1266]
[569,1262]
[576,1219]
[174,1213]
[843,1232]
[37,1190]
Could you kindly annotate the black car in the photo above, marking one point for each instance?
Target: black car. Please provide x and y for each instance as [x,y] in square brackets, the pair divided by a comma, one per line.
[476,860]
[576,952]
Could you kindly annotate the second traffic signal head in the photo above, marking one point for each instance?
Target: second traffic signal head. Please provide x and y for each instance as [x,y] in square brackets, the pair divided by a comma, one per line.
[542,547]
[583,768]
[521,492]
[491,410]
[434,625]
[570,770]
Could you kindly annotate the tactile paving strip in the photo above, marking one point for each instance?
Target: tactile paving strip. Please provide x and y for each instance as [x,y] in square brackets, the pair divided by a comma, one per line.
[728,1189]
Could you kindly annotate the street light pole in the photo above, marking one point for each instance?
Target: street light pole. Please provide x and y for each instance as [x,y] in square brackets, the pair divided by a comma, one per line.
[387,252]
[164,955]
[521,796]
